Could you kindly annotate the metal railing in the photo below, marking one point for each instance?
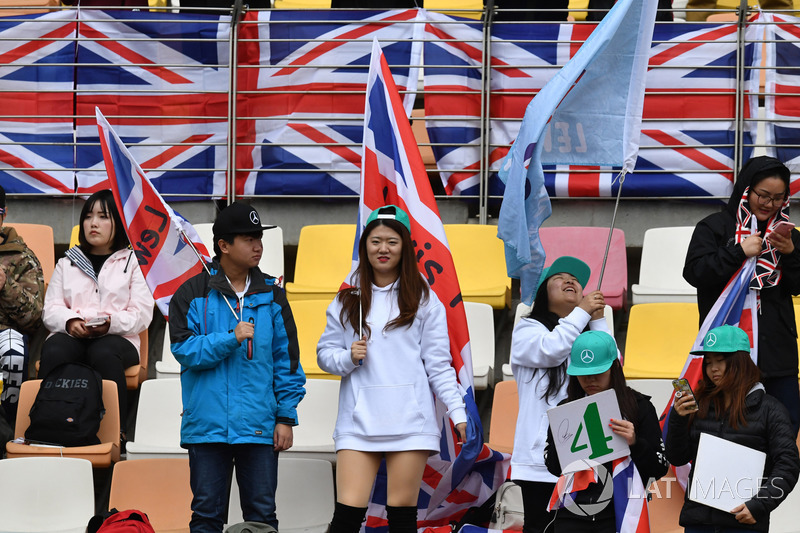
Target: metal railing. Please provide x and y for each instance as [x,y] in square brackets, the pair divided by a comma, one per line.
[205,114]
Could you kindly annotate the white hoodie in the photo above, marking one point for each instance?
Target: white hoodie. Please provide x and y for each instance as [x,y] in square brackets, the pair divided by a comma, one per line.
[387,403]
[534,349]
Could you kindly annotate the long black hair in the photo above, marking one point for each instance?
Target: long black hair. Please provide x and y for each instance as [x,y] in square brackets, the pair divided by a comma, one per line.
[556,375]
[741,374]
[413,288]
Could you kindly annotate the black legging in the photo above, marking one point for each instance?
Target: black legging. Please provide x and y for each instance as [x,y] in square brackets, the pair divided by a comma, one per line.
[535,497]
[110,355]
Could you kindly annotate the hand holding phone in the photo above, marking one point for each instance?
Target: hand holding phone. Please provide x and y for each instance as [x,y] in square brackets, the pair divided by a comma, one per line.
[783,228]
[682,388]
[97,321]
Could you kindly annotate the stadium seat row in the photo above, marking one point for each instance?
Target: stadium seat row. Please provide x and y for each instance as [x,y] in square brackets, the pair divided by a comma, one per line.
[64,487]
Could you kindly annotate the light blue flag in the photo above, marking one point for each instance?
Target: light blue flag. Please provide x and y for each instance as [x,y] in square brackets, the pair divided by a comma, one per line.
[590,113]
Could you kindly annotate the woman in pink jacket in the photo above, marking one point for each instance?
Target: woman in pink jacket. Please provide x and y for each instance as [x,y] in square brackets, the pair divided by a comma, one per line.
[97,302]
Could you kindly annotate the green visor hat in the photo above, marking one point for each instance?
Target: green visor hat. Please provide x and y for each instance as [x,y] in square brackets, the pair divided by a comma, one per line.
[570,265]
[725,339]
[390,212]
[593,352]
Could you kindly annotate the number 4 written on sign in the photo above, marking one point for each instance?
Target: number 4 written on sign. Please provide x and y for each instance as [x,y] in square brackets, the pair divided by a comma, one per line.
[595,432]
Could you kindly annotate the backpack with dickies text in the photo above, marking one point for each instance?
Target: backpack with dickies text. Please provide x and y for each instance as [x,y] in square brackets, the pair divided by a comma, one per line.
[68,407]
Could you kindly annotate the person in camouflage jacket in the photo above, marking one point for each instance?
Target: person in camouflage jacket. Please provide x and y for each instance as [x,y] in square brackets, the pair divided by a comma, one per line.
[21,301]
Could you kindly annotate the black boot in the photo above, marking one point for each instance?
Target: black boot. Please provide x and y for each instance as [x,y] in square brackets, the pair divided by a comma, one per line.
[402,519]
[347,519]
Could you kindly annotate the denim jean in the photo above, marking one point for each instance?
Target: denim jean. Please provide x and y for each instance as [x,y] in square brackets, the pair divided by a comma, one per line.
[210,479]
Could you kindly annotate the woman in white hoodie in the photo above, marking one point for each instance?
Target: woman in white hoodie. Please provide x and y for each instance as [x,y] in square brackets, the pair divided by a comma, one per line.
[540,347]
[389,343]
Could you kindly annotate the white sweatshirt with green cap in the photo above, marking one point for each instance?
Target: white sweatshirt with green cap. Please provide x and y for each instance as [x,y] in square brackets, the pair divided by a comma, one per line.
[534,349]
[387,403]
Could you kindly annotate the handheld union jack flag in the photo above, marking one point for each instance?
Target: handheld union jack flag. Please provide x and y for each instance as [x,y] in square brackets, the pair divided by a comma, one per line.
[630,497]
[393,173]
[155,231]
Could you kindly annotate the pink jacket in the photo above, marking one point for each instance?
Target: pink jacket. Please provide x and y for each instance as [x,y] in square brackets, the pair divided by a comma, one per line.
[119,292]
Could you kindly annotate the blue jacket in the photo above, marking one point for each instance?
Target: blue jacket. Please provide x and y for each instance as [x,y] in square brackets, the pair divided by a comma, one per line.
[228,398]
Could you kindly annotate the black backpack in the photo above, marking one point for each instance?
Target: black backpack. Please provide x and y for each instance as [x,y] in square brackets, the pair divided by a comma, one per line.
[68,407]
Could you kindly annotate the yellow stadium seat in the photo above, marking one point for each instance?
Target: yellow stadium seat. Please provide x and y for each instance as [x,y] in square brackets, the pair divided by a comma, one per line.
[660,336]
[39,238]
[458,8]
[480,264]
[73,237]
[324,258]
[302,4]
[503,424]
[578,4]
[309,316]
[797,320]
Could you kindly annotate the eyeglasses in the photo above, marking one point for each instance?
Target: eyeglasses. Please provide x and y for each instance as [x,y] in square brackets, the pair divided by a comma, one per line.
[766,199]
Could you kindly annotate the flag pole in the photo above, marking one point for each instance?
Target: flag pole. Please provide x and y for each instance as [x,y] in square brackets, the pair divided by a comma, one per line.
[205,267]
[621,177]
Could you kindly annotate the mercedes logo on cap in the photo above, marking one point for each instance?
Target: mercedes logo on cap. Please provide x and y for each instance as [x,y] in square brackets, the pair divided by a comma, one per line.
[711,340]
[587,356]
[254,218]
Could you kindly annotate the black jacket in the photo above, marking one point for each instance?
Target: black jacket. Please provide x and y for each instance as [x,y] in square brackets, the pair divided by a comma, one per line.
[647,454]
[768,430]
[713,257]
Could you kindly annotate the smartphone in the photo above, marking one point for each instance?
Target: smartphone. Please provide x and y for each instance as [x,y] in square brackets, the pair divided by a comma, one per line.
[783,228]
[682,387]
[97,321]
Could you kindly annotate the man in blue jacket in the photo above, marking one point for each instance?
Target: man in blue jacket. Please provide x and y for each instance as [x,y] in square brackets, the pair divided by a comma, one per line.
[234,335]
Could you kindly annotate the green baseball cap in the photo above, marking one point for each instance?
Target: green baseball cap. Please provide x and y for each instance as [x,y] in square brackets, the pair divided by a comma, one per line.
[725,339]
[390,212]
[570,265]
[593,352]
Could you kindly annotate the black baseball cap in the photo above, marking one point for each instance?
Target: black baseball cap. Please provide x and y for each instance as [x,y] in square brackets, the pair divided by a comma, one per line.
[238,219]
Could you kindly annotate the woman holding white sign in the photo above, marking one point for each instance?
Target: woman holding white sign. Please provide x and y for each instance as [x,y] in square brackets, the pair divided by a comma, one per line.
[594,367]
[540,346]
[389,342]
[731,403]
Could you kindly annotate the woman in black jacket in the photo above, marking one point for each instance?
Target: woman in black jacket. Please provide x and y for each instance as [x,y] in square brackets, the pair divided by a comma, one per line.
[594,367]
[730,403]
[720,245]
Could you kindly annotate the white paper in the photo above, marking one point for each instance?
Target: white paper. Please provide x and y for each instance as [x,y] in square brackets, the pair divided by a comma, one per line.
[568,423]
[726,474]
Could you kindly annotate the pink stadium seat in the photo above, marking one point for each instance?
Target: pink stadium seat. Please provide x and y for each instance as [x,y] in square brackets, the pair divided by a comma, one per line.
[589,245]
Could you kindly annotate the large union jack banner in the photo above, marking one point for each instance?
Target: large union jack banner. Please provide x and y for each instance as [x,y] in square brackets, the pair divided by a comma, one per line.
[300,116]
[36,78]
[782,89]
[689,109]
[162,81]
